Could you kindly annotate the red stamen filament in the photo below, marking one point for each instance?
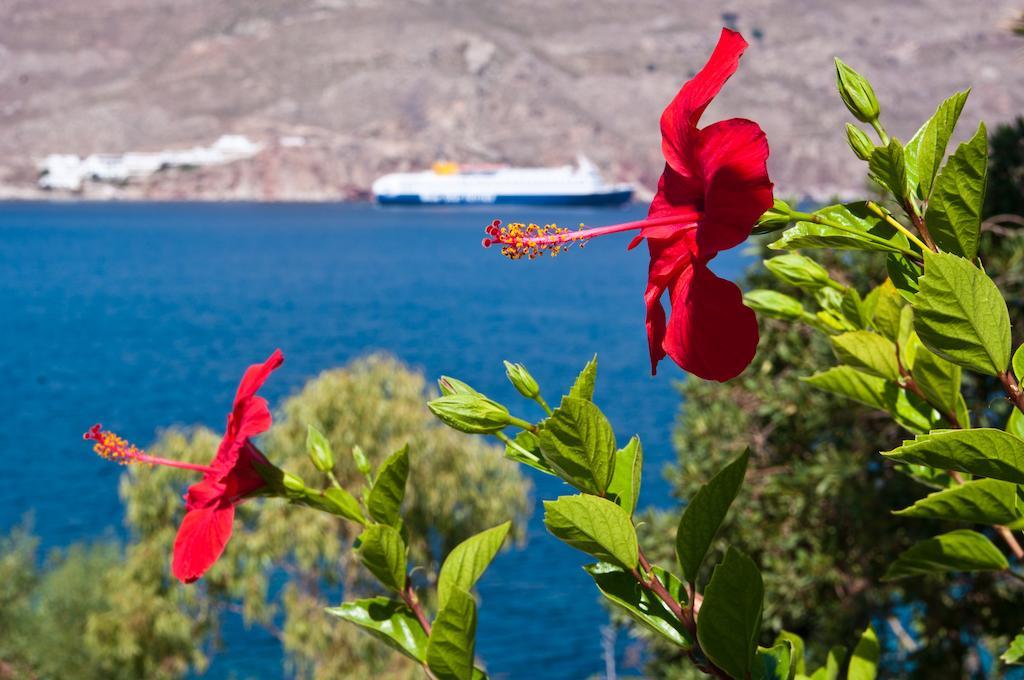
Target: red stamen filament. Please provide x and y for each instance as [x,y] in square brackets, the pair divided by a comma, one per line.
[520,240]
[112,447]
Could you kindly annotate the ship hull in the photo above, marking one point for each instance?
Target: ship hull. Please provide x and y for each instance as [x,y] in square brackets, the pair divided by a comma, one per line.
[603,198]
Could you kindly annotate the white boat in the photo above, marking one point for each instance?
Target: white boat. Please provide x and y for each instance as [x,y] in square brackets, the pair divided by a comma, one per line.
[448,183]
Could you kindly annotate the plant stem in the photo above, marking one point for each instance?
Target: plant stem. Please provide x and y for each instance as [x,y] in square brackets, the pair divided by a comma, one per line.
[893,222]
[685,615]
[909,383]
[522,424]
[1012,388]
[1011,541]
[334,479]
[880,131]
[543,404]
[921,226]
[409,597]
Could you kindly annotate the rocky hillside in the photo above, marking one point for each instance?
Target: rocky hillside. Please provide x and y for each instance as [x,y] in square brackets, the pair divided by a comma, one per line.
[340,91]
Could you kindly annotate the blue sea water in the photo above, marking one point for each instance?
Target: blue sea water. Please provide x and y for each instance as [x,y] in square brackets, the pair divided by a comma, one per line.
[145,315]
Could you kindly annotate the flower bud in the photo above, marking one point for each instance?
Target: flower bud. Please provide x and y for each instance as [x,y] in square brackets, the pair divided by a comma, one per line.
[776,217]
[799,271]
[449,386]
[472,413]
[856,93]
[859,142]
[319,450]
[774,304]
[522,380]
[362,463]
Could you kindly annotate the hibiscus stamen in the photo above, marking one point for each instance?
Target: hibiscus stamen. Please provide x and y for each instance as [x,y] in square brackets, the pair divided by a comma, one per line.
[518,240]
[112,447]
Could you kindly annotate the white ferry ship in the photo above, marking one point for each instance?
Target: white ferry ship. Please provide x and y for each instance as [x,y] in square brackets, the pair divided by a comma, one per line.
[450,183]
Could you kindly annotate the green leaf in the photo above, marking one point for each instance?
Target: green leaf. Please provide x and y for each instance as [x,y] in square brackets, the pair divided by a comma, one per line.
[1015,652]
[625,484]
[982,501]
[799,270]
[525,448]
[888,167]
[864,662]
[730,617]
[450,649]
[907,410]
[862,230]
[343,503]
[960,550]
[578,442]
[468,560]
[1018,363]
[594,525]
[705,513]
[389,621]
[1015,423]
[774,304]
[960,315]
[954,212]
[382,552]
[621,588]
[583,388]
[939,380]
[799,664]
[833,664]
[925,150]
[774,663]
[905,276]
[853,309]
[385,498]
[888,308]
[869,352]
[983,451]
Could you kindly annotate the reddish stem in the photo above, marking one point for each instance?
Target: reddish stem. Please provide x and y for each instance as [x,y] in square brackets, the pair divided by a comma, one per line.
[685,616]
[409,597]
[1012,388]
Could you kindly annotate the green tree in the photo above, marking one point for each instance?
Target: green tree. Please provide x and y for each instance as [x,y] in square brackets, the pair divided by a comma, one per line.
[93,611]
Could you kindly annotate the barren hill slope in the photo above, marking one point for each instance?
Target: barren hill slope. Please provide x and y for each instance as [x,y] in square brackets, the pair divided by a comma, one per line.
[375,85]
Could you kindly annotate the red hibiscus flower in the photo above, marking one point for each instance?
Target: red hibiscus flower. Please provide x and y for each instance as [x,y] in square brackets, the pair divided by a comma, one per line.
[714,188]
[230,478]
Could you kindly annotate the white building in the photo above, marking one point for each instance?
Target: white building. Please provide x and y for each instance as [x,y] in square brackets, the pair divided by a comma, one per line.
[69,172]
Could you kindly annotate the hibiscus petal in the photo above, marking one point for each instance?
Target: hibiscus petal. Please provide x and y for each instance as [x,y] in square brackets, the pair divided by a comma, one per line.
[204,494]
[256,375]
[668,259]
[679,120]
[201,539]
[250,415]
[710,334]
[678,197]
[733,155]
